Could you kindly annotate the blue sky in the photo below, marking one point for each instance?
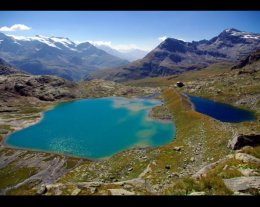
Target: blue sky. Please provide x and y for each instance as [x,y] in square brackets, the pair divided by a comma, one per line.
[129,29]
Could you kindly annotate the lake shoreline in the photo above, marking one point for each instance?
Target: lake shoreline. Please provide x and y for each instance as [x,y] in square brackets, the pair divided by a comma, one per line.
[221,111]
[28,123]
[189,101]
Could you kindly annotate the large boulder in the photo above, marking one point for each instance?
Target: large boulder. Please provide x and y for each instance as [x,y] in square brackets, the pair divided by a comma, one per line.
[120,192]
[203,171]
[239,184]
[246,158]
[241,140]
[180,84]
[197,193]
[42,190]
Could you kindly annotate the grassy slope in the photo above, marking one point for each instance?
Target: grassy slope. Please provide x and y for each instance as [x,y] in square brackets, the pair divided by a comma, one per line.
[194,128]
[215,136]
[214,69]
[219,83]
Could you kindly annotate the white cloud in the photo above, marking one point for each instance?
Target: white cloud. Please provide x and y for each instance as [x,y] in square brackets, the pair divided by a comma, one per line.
[14,28]
[126,47]
[162,38]
[98,43]
[119,47]
[77,42]
[181,39]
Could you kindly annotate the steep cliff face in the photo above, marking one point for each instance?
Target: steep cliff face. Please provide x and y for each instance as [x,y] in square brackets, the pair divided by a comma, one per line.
[250,59]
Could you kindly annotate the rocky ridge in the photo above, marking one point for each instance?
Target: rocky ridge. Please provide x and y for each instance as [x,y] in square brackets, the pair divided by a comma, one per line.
[175,56]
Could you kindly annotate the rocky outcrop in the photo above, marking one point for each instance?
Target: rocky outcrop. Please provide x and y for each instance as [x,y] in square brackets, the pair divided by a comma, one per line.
[248,60]
[42,190]
[247,172]
[180,84]
[76,191]
[101,88]
[45,88]
[197,193]
[120,192]
[238,156]
[246,158]
[203,171]
[177,148]
[39,166]
[243,183]
[239,141]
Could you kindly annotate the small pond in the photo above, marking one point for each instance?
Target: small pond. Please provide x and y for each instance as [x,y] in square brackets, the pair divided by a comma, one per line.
[220,111]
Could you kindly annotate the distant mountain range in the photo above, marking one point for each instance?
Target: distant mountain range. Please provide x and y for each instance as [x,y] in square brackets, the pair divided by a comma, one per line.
[55,56]
[174,56]
[130,54]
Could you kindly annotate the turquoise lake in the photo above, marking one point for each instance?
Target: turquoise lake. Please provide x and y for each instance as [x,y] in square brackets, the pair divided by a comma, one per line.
[95,128]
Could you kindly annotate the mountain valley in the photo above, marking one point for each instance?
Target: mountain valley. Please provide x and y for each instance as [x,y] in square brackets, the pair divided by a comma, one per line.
[197,162]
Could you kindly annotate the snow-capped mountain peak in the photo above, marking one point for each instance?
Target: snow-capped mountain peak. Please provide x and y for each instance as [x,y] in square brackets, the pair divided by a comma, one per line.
[56,42]
[230,30]
[55,56]
[64,41]
[241,34]
[39,38]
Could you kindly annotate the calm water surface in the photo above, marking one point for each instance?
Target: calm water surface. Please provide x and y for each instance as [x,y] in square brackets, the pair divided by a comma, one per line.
[220,111]
[95,128]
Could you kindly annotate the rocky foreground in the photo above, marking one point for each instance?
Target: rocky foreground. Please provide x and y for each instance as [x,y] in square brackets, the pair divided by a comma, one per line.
[23,98]
[199,161]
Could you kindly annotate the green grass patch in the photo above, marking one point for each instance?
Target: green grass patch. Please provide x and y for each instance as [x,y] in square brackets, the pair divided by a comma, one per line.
[25,189]
[30,110]
[9,152]
[184,186]
[71,162]
[214,185]
[12,175]
[214,69]
[254,151]
[192,128]
[4,126]
[229,172]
